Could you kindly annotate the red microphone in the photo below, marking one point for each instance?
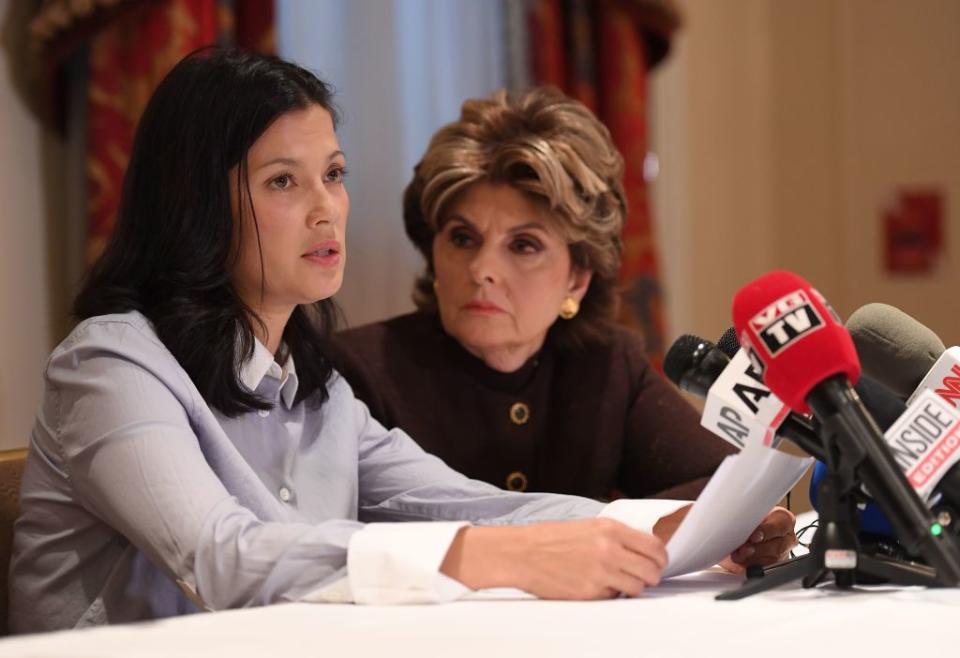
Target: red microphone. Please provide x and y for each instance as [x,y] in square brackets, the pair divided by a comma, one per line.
[794,336]
[808,360]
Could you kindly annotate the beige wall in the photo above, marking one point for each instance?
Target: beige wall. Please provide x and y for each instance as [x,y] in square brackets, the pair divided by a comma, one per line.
[25,319]
[901,127]
[783,129]
[40,229]
[712,129]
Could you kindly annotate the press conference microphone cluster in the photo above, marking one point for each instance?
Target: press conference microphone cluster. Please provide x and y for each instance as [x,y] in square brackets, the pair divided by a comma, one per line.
[807,358]
[735,394]
[887,408]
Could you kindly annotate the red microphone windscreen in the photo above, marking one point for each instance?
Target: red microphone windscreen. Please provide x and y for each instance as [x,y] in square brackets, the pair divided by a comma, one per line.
[793,336]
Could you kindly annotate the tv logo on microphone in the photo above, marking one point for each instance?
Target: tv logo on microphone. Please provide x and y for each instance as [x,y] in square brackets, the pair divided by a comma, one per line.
[785,321]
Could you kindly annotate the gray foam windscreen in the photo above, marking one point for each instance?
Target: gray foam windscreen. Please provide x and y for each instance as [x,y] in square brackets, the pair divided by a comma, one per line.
[894,348]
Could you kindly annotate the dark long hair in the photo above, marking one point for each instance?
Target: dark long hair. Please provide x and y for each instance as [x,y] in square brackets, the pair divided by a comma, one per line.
[169,253]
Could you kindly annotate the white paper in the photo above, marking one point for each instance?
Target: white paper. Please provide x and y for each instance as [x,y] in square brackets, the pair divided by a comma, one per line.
[739,495]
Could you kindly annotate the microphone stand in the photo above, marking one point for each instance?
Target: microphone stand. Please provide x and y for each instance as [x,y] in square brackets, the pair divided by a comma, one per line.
[854,456]
[835,551]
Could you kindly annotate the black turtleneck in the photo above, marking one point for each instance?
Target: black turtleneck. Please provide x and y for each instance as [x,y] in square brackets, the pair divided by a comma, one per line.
[598,423]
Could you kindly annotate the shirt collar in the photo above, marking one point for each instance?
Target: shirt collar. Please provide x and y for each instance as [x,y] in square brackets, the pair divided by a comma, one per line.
[262,364]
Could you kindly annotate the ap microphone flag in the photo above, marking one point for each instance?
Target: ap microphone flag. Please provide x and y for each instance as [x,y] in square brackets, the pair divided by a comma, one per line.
[740,408]
[769,330]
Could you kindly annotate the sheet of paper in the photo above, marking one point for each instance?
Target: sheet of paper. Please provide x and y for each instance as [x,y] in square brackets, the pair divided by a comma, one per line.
[741,492]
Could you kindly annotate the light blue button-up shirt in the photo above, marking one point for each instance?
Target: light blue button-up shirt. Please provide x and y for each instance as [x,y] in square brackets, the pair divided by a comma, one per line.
[140,501]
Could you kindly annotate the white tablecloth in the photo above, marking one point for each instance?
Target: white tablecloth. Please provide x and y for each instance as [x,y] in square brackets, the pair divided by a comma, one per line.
[679,618]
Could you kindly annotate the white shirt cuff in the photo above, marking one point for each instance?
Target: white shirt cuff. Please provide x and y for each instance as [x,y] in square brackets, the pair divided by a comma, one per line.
[390,563]
[641,514]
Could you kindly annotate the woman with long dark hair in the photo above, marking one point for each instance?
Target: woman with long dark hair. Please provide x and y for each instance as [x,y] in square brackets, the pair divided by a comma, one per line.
[195,450]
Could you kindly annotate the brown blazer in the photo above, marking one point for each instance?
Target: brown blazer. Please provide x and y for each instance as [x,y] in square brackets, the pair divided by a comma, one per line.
[600,423]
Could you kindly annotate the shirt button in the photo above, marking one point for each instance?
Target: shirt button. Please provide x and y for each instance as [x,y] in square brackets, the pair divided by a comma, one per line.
[517,481]
[263,413]
[519,413]
[285,494]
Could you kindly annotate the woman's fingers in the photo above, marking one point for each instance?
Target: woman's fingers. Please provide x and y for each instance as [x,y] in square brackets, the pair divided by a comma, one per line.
[769,543]
[628,584]
[764,552]
[640,567]
[731,566]
[778,523]
[644,544]
[589,559]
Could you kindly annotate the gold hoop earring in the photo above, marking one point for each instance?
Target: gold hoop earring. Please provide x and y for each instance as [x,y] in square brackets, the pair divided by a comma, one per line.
[569,308]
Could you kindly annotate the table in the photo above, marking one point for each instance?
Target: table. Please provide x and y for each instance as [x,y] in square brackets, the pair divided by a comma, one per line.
[679,618]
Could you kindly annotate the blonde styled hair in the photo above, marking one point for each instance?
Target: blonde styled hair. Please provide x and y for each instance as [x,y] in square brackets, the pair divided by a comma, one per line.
[551,148]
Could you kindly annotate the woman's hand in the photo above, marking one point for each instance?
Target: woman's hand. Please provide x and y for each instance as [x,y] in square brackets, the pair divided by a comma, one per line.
[583,559]
[769,543]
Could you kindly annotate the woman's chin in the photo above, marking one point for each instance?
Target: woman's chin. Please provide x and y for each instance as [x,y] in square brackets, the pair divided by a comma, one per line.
[484,344]
[325,291]
[486,333]
[317,297]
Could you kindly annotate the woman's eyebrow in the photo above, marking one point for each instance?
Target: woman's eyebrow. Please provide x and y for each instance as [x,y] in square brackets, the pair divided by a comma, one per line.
[294,162]
[516,229]
[528,226]
[284,161]
[463,220]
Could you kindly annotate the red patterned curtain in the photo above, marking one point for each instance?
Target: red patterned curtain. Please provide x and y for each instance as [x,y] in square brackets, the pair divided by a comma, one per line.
[132,46]
[601,52]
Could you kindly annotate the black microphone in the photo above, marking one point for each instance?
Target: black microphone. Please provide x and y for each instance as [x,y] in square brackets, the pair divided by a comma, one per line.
[694,364]
[728,343]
